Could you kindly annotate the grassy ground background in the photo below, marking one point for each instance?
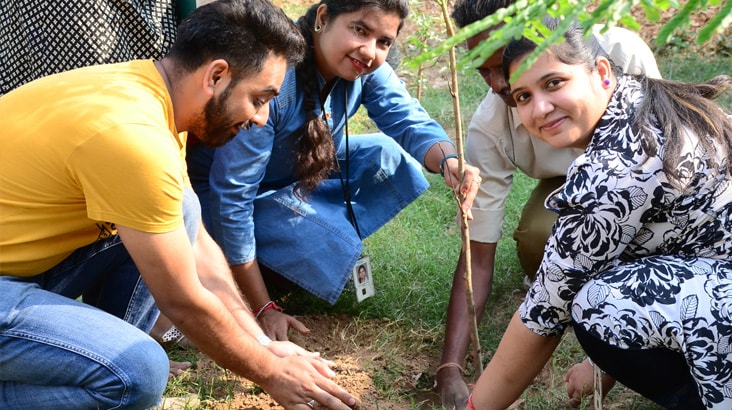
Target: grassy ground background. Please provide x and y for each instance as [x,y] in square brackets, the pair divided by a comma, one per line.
[413,259]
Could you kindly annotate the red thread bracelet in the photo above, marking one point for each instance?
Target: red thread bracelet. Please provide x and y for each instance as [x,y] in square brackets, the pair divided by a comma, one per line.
[470,402]
[267,306]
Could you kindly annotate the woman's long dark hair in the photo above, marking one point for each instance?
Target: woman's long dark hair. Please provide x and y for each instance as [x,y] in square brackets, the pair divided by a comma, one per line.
[314,150]
[671,106]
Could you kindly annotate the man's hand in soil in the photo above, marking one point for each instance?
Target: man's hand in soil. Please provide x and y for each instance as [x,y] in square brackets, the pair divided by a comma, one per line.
[300,379]
[276,324]
[452,388]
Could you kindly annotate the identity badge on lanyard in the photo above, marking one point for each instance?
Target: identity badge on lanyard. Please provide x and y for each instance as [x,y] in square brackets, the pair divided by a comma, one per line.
[362,279]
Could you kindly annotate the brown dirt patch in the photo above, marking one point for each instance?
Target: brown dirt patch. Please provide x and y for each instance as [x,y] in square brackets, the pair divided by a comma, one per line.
[362,350]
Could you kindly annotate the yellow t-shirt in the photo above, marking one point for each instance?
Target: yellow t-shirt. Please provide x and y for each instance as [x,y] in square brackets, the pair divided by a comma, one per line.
[82,151]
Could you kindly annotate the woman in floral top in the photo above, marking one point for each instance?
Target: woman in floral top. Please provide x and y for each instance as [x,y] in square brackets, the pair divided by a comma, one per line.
[639,262]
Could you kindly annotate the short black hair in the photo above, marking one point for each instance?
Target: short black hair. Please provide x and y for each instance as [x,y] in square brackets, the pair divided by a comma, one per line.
[242,32]
[469,11]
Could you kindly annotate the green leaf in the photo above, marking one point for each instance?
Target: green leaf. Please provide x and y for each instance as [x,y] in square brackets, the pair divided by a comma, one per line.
[718,23]
[630,23]
[651,10]
[522,18]
[556,36]
[678,21]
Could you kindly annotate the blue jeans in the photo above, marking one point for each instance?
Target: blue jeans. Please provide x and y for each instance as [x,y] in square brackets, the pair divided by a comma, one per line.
[59,353]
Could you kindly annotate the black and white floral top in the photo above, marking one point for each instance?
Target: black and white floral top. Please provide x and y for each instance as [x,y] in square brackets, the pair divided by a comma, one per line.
[636,260]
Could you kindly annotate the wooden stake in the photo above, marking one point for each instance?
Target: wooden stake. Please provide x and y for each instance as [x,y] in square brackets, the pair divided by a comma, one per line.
[464,229]
[597,394]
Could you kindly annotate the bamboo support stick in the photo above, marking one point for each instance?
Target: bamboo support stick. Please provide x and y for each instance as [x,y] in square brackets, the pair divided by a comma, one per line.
[464,229]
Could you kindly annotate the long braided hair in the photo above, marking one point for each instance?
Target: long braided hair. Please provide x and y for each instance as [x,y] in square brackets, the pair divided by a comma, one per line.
[315,150]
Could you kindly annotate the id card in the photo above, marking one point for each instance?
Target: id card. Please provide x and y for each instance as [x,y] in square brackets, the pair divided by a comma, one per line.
[362,279]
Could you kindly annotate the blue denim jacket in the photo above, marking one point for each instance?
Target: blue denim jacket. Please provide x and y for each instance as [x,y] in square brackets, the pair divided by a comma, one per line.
[260,160]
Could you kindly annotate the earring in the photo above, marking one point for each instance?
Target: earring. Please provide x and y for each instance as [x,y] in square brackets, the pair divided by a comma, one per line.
[606,82]
[318,27]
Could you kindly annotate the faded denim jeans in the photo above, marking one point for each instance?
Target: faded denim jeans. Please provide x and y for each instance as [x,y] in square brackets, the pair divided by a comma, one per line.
[60,353]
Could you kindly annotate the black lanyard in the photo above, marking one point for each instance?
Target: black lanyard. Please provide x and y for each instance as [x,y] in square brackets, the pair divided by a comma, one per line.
[345,182]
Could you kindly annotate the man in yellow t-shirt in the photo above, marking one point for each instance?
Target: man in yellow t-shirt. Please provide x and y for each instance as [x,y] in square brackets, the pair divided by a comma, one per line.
[71,164]
[95,203]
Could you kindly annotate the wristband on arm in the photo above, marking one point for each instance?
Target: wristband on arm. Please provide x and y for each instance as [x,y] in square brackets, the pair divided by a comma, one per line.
[442,162]
[267,306]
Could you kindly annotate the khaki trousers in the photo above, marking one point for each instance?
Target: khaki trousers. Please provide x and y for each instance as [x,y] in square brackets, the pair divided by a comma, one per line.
[535,226]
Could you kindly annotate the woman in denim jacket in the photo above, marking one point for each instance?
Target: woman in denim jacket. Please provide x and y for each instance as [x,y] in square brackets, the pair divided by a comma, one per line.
[297,196]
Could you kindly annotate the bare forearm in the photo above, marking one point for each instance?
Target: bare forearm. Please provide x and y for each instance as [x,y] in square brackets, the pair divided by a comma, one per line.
[520,357]
[442,158]
[220,335]
[457,327]
[250,281]
[483,256]
[216,276]
[168,265]
[275,323]
[436,154]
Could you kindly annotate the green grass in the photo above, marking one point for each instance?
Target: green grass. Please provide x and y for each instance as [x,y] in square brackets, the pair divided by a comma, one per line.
[294,9]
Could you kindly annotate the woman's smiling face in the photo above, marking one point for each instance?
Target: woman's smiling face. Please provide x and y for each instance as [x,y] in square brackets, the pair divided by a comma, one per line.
[560,103]
[353,44]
